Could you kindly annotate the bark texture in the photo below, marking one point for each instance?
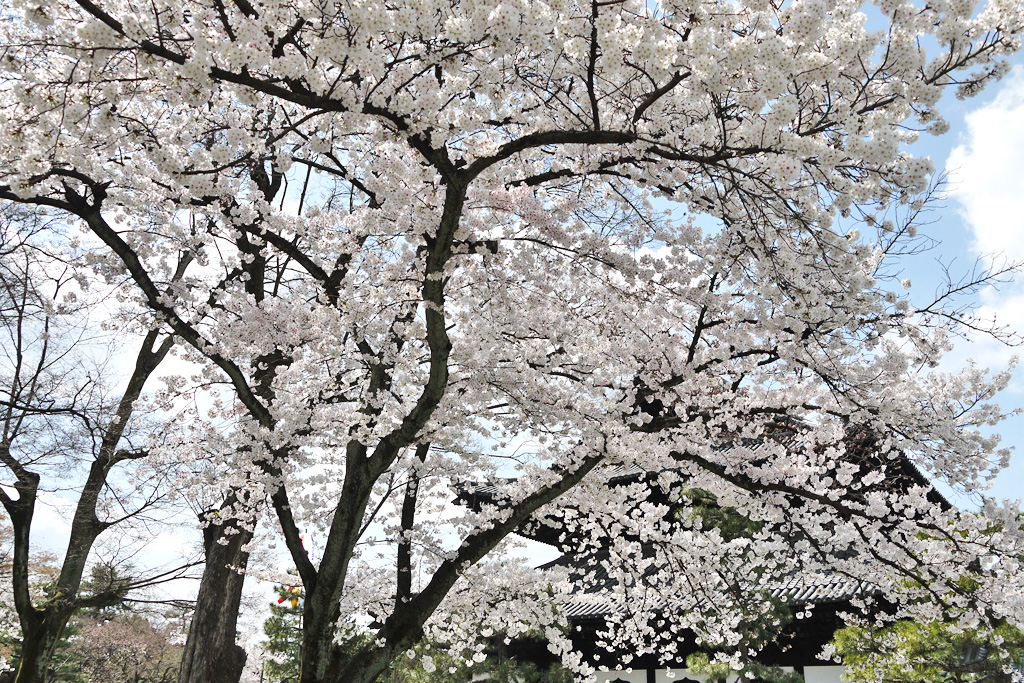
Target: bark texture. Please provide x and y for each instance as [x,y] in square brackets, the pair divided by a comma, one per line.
[211,654]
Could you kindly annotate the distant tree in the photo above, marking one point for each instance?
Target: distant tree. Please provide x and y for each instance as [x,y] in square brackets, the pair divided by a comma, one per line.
[111,580]
[66,422]
[98,641]
[124,648]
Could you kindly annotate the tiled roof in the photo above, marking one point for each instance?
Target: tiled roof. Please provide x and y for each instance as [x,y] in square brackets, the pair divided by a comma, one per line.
[819,588]
[798,590]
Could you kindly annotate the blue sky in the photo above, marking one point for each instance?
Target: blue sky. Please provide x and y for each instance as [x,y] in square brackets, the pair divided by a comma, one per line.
[983,215]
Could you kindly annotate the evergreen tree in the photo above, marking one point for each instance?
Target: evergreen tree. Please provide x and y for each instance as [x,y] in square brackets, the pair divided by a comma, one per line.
[284,636]
[909,651]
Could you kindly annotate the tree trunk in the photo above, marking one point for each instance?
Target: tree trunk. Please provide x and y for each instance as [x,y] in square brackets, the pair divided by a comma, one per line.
[211,655]
[37,646]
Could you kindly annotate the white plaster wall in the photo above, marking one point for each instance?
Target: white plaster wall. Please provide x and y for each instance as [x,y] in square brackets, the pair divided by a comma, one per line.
[634,676]
[676,675]
[823,674]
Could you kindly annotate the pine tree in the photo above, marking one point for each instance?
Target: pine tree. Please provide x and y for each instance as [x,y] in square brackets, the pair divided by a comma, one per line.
[909,651]
[283,629]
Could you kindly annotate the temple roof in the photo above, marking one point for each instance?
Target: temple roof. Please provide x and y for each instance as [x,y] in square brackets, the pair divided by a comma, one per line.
[797,590]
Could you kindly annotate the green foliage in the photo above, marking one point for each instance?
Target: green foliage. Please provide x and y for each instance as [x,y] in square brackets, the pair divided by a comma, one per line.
[284,636]
[909,651]
[930,652]
[109,584]
[511,671]
[66,665]
[702,505]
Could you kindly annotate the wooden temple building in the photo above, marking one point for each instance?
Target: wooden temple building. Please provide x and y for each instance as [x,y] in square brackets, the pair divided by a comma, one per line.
[819,600]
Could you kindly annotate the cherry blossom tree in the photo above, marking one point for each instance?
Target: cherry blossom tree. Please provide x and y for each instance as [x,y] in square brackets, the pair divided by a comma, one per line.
[126,648]
[426,243]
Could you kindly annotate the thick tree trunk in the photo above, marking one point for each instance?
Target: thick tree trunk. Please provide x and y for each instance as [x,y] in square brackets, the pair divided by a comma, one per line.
[211,654]
[37,646]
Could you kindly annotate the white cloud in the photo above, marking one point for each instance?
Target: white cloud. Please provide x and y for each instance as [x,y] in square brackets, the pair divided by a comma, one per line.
[987,183]
[987,172]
